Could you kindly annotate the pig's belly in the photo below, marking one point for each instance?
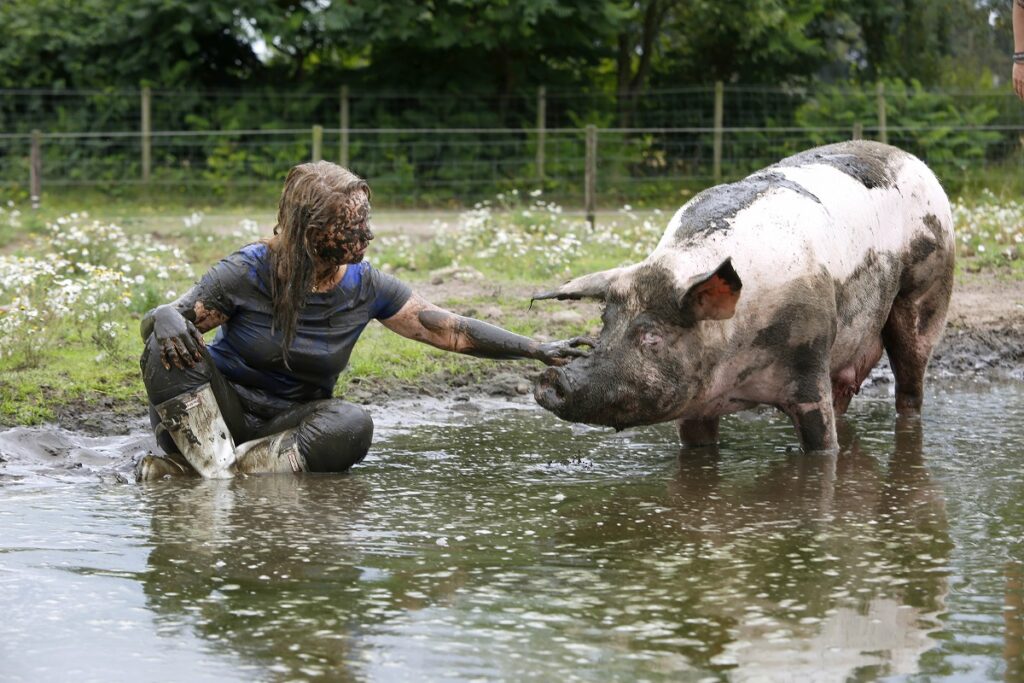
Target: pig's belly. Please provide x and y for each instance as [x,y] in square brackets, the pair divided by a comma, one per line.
[857,349]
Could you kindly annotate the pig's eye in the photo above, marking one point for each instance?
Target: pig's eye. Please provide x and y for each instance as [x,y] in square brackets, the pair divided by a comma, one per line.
[650,339]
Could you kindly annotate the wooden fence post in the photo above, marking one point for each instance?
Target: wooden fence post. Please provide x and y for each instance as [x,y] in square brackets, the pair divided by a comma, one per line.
[343,113]
[719,119]
[858,130]
[542,115]
[590,176]
[883,134]
[318,143]
[35,169]
[147,133]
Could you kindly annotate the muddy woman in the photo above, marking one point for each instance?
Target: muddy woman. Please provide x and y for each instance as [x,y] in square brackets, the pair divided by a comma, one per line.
[289,309]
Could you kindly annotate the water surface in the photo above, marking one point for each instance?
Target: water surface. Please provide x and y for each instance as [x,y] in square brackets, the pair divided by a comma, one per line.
[490,541]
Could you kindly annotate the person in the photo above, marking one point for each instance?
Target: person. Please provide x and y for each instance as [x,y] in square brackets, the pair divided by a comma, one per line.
[288,311]
[1018,47]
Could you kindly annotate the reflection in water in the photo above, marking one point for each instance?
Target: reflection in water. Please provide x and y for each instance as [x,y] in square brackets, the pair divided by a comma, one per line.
[507,546]
[846,573]
[247,564]
[802,567]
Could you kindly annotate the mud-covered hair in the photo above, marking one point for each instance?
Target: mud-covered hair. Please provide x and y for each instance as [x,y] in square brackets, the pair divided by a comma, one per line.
[316,196]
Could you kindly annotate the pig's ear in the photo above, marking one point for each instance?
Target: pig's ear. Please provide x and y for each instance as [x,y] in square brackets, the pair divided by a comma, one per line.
[592,286]
[712,296]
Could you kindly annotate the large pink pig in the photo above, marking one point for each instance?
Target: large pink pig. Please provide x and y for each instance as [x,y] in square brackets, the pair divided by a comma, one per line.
[781,289]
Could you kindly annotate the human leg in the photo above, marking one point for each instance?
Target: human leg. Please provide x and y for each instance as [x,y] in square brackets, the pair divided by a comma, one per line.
[195,413]
[322,436]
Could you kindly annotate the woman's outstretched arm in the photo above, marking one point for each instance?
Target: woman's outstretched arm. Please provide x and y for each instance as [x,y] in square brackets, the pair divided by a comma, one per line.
[423,321]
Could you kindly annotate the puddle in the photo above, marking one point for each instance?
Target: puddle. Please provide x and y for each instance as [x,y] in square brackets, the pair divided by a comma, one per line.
[490,541]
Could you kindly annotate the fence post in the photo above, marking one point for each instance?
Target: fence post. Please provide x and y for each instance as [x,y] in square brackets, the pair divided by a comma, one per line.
[858,130]
[343,112]
[35,169]
[318,143]
[590,176]
[719,118]
[147,133]
[542,115]
[883,134]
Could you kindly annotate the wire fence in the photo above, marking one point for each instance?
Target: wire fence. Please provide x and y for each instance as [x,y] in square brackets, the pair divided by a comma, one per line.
[573,146]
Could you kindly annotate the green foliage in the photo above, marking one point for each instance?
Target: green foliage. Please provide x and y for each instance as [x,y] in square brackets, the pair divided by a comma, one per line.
[947,132]
[477,64]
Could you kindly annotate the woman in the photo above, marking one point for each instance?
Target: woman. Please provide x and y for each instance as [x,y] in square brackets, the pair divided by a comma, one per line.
[289,309]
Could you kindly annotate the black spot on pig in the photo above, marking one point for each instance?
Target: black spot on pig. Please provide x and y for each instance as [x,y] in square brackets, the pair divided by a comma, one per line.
[809,363]
[924,246]
[799,340]
[921,248]
[869,163]
[658,294]
[931,221]
[924,251]
[869,290]
[746,372]
[712,210]
[812,429]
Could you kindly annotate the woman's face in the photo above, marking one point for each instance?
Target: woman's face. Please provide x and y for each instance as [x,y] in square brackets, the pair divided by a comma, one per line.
[346,240]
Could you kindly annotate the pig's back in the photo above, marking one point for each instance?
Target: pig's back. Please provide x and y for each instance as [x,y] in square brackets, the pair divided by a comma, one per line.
[832,210]
[829,234]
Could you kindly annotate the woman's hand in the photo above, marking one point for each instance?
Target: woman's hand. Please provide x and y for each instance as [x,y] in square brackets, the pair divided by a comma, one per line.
[180,342]
[563,351]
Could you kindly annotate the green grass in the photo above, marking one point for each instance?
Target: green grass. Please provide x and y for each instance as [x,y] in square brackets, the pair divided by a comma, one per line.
[69,375]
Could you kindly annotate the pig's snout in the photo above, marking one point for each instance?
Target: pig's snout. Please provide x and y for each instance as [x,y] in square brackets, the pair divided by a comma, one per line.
[553,390]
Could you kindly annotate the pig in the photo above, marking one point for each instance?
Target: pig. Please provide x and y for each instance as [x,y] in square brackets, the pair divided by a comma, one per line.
[781,289]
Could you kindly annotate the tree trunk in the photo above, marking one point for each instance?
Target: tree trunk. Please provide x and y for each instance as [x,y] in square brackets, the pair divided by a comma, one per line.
[630,83]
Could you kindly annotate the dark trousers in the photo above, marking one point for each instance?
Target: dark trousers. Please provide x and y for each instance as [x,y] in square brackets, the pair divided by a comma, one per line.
[331,434]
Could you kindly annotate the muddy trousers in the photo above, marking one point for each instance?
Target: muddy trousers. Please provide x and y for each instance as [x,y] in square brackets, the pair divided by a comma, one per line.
[331,434]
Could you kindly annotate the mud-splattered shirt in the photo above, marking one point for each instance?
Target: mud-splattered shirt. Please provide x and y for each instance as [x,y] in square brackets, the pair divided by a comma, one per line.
[249,355]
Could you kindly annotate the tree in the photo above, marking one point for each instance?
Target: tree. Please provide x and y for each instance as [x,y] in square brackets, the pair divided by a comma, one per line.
[120,43]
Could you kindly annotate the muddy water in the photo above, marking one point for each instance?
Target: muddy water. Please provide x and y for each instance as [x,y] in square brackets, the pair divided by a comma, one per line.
[498,543]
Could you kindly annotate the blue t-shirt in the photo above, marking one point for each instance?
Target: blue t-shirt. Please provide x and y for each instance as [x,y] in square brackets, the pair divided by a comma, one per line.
[328,325]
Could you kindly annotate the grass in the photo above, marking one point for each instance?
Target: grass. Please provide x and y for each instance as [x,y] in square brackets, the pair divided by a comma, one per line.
[70,376]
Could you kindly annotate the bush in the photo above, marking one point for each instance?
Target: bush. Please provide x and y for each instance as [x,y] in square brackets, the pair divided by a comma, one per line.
[943,130]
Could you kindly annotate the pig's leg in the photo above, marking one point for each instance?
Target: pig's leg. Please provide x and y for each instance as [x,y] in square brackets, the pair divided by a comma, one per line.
[918,314]
[815,425]
[844,386]
[910,333]
[815,422]
[695,433]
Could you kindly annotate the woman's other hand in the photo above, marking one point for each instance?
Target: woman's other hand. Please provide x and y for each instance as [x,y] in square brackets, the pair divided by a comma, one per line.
[180,342]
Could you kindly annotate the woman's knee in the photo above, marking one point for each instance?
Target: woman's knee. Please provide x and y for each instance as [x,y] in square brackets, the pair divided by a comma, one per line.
[163,383]
[335,436]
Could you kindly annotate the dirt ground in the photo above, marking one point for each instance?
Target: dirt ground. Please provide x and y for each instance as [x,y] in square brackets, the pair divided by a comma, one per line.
[985,330]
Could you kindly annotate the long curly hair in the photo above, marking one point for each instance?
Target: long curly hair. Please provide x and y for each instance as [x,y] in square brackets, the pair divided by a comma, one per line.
[316,197]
